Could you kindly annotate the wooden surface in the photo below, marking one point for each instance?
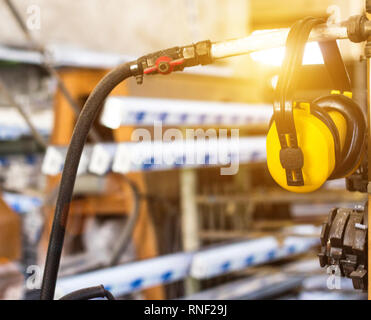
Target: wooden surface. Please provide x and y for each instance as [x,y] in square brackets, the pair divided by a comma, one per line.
[10,233]
[282,196]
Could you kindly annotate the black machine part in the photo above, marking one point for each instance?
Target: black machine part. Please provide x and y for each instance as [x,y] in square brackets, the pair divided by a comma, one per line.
[358,180]
[344,244]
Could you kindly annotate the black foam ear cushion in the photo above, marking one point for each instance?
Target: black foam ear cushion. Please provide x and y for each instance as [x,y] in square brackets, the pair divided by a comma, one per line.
[356,131]
[327,120]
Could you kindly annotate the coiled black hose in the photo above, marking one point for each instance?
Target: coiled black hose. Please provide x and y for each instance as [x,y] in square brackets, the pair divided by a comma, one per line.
[80,133]
[89,293]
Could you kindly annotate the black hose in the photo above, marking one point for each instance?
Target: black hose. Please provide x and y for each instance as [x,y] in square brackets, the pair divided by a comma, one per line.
[80,133]
[89,293]
[125,236]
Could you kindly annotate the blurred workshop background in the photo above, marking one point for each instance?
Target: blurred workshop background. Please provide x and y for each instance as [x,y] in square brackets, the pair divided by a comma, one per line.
[169,231]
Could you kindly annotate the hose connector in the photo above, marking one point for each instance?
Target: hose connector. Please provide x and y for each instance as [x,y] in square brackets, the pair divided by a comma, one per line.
[174,59]
[358,28]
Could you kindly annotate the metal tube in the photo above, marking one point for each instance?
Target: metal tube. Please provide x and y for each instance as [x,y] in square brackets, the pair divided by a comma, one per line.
[272,39]
[11,100]
[189,220]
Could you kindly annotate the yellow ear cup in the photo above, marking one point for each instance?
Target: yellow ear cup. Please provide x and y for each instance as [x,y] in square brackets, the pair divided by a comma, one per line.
[317,144]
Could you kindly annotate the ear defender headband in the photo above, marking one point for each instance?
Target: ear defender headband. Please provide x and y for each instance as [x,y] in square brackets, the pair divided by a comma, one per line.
[308,143]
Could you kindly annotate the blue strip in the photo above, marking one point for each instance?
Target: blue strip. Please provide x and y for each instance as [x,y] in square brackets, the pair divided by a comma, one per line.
[167,276]
[249,260]
[136,284]
[226,266]
[271,254]
[139,116]
[163,116]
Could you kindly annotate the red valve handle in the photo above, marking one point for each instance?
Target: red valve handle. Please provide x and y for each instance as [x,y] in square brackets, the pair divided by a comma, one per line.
[164,65]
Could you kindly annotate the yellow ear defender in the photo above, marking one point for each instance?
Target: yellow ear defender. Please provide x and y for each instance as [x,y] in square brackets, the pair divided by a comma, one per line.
[309,143]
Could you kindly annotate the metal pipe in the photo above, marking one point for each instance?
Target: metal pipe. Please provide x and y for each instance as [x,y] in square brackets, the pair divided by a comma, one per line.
[189,220]
[11,100]
[273,39]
